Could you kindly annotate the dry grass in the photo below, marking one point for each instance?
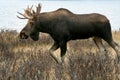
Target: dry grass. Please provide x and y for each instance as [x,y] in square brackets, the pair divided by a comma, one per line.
[28,60]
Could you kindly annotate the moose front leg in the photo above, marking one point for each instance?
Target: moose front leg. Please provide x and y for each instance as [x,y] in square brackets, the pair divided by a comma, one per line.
[52,49]
[63,48]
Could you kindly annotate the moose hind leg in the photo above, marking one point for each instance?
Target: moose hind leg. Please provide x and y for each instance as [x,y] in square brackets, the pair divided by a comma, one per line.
[98,42]
[115,46]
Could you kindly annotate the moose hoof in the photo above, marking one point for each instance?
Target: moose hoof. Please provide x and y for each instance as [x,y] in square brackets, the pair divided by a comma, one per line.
[57,59]
[118,58]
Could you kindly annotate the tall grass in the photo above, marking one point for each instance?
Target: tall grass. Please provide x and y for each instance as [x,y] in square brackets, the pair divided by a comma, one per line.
[29,60]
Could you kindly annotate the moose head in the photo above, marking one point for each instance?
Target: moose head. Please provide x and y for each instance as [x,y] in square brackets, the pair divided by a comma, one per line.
[30,29]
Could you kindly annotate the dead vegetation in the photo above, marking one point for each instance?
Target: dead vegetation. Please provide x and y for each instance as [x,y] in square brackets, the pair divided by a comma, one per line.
[29,60]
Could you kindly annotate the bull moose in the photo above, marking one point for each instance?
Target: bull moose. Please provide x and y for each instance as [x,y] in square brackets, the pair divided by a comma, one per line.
[63,25]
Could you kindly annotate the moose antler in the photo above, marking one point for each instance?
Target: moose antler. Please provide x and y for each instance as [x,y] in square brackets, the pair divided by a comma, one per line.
[28,14]
[28,11]
[38,9]
[24,16]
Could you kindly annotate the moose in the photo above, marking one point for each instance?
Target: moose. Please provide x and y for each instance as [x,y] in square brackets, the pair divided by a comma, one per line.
[63,25]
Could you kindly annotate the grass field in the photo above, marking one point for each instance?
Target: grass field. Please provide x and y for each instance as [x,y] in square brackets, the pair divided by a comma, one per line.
[29,60]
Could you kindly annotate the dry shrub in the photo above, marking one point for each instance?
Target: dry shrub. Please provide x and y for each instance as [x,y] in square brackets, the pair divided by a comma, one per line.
[29,60]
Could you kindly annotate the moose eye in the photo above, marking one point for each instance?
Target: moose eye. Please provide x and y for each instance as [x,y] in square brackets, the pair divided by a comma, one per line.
[32,23]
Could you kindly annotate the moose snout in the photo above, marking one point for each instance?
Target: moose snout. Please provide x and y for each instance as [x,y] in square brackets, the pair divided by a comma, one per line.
[23,35]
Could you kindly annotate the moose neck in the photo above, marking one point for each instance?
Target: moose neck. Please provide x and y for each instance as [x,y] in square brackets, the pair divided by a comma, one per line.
[46,24]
